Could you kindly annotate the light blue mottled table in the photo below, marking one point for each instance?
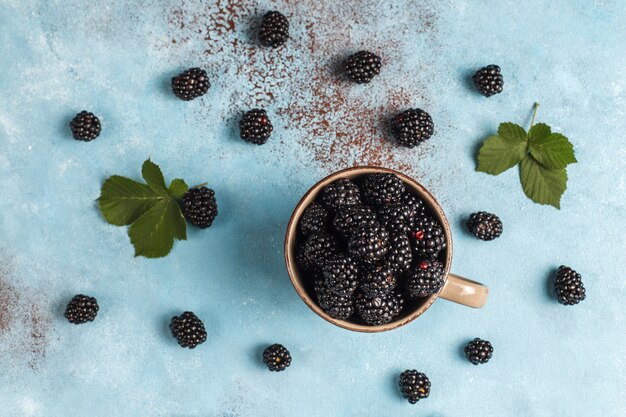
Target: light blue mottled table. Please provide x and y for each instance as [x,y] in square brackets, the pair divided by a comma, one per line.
[115,58]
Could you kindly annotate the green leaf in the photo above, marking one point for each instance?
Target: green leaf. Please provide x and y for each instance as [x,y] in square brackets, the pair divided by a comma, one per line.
[539,131]
[154,177]
[513,132]
[123,200]
[178,188]
[154,232]
[504,150]
[553,151]
[542,185]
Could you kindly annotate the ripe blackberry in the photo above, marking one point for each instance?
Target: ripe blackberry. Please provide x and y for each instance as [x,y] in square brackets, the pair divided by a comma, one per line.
[188,330]
[399,255]
[379,280]
[412,127]
[569,286]
[81,309]
[484,226]
[191,84]
[302,260]
[85,126]
[382,188]
[414,385]
[255,127]
[200,207]
[362,67]
[348,218]
[276,357]
[478,351]
[314,219]
[377,311]
[341,274]
[397,218]
[318,248]
[427,238]
[488,80]
[336,306]
[368,243]
[414,202]
[274,30]
[341,193]
[425,279]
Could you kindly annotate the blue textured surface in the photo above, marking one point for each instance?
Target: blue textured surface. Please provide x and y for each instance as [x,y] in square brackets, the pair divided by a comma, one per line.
[115,59]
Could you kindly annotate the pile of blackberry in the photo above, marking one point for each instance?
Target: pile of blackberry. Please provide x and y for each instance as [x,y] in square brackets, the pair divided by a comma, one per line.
[369,249]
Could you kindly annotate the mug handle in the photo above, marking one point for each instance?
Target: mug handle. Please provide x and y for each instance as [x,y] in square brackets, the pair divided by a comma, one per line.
[464,291]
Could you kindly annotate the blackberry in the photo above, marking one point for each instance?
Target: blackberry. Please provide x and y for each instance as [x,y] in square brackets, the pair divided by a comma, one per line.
[318,248]
[255,127]
[379,280]
[414,385]
[341,193]
[488,80]
[348,218]
[314,219]
[341,274]
[414,202]
[274,30]
[569,286]
[412,127]
[188,330]
[484,226]
[81,309]
[200,207]
[400,255]
[478,351]
[425,279]
[191,84]
[427,238]
[368,243]
[397,218]
[302,260]
[85,126]
[336,306]
[276,357]
[377,311]
[362,67]
[382,188]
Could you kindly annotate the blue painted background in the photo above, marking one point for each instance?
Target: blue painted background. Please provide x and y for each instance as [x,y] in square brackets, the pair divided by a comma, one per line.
[115,58]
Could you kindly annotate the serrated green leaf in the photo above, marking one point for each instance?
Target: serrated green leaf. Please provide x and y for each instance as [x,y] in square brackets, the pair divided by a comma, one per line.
[153,233]
[539,131]
[511,131]
[178,188]
[153,176]
[123,200]
[500,153]
[540,184]
[554,151]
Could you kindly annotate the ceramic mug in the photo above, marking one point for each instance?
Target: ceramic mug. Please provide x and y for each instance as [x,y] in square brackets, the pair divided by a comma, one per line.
[455,288]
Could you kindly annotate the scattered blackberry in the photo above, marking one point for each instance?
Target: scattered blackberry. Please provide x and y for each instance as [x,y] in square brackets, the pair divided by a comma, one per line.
[81,309]
[191,84]
[85,126]
[398,218]
[341,274]
[255,127]
[379,280]
[427,238]
[362,67]
[425,279]
[318,248]
[188,330]
[382,188]
[484,226]
[348,218]
[414,385]
[276,357]
[488,80]
[377,311]
[341,193]
[478,351]
[314,219]
[274,30]
[415,203]
[400,255]
[569,286]
[368,243]
[200,207]
[412,127]
[337,306]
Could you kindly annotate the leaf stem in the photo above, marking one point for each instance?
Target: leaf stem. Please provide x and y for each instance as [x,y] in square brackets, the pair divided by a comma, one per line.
[200,185]
[532,121]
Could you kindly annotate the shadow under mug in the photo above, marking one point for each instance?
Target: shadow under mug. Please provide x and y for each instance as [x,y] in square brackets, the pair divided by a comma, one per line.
[457,289]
